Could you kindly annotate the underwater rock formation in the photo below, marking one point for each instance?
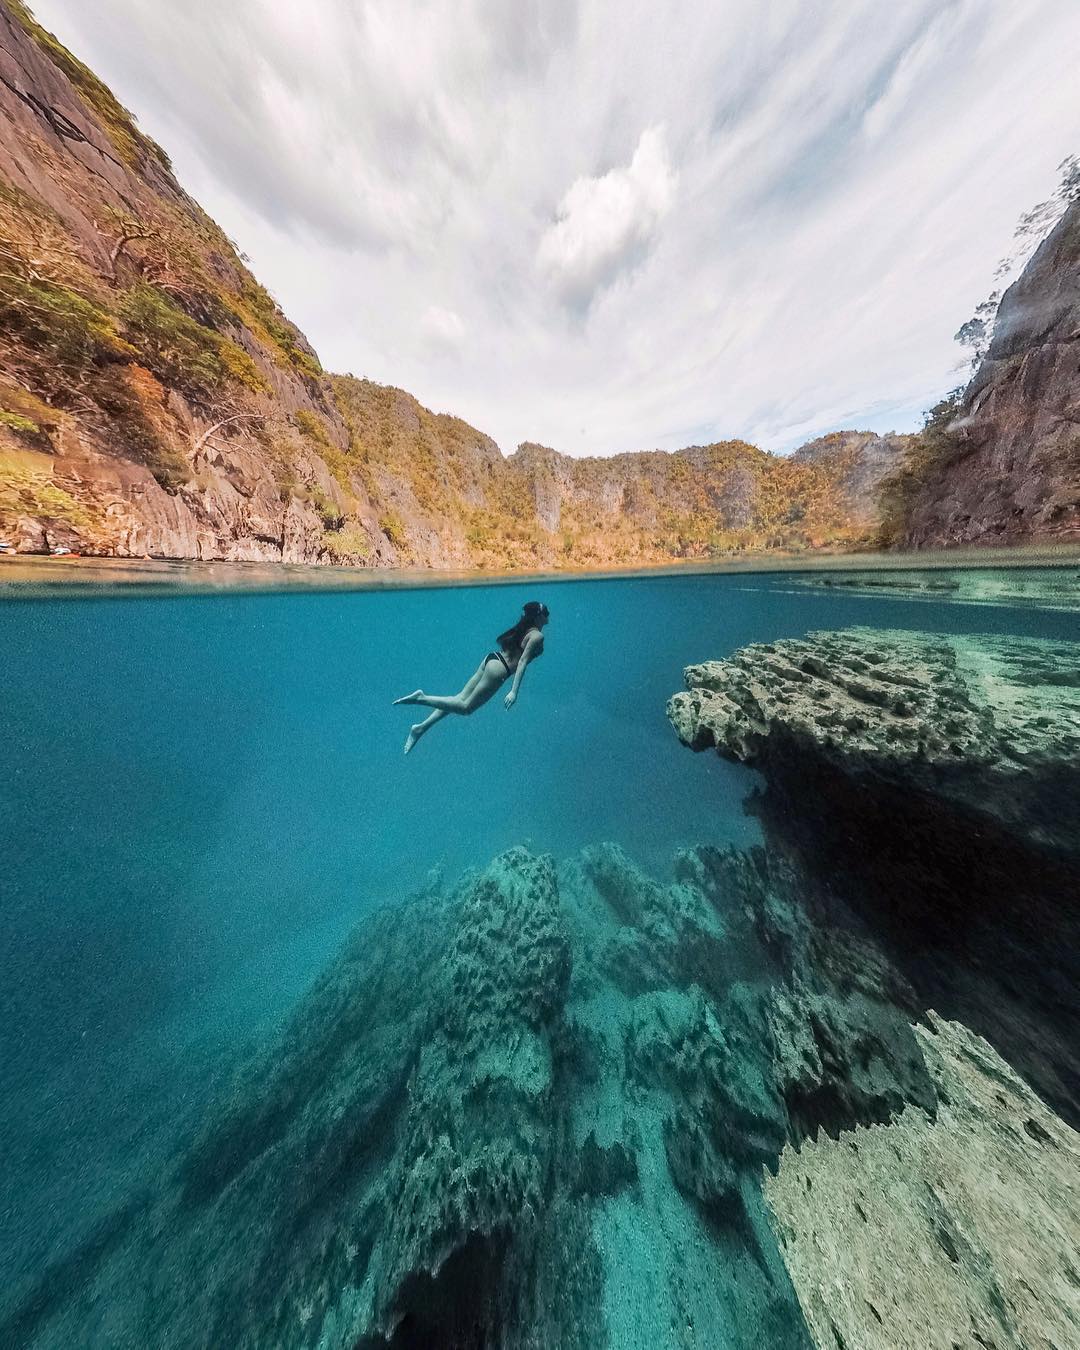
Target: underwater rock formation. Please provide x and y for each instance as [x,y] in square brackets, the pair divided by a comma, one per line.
[577,1106]
[984,1196]
[545,1108]
[533,1110]
[934,784]
[983,723]
[925,791]
[1049,588]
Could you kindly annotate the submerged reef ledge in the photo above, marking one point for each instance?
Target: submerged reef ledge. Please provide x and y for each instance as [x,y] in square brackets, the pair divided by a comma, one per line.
[925,792]
[571,1106]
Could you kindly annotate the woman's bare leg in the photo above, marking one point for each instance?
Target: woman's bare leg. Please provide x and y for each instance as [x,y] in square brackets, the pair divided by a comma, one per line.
[476,693]
[468,700]
[418,695]
[416,731]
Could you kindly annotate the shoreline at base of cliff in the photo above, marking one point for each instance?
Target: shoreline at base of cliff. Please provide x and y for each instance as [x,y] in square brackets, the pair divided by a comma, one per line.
[34,575]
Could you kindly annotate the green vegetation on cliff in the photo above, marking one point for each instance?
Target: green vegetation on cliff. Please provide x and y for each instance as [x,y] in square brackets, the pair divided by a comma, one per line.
[931,451]
[131,144]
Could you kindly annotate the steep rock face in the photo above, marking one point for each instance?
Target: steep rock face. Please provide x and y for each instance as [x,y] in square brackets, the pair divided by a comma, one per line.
[432,475]
[1013,471]
[155,399]
[707,499]
[859,461]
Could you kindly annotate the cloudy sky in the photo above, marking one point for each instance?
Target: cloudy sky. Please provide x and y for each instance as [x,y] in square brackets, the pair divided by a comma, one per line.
[614,224]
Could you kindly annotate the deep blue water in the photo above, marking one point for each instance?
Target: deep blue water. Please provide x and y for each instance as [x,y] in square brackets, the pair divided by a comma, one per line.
[199,796]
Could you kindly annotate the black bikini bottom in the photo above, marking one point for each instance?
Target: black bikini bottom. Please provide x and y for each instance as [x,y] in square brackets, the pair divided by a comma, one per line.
[498,656]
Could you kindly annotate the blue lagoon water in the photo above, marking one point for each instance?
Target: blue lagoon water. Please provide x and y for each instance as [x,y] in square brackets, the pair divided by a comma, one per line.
[202,795]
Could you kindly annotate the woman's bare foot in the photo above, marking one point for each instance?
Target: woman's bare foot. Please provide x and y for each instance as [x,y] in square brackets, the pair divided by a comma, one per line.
[410,698]
[415,732]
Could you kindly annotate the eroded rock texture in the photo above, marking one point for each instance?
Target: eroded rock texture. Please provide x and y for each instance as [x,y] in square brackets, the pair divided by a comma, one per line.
[985,1195]
[924,791]
[533,1111]
[934,784]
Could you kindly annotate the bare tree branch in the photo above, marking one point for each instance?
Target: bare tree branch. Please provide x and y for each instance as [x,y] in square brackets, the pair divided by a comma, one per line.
[236,417]
[132,231]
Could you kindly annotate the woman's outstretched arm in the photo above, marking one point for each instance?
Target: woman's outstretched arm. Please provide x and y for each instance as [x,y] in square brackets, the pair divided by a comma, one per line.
[532,647]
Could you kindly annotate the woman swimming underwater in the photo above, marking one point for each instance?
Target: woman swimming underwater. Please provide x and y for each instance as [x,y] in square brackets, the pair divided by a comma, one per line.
[516,648]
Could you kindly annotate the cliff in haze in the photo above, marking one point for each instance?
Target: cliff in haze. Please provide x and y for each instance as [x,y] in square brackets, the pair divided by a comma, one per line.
[155,400]
[1001,464]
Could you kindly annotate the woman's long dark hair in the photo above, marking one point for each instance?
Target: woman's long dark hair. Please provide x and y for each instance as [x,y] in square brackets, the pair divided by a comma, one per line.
[511,640]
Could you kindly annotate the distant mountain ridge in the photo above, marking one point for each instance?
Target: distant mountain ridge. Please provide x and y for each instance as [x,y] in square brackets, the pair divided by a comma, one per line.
[155,400]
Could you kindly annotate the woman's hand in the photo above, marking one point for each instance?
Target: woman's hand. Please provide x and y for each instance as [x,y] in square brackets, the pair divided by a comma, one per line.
[510,699]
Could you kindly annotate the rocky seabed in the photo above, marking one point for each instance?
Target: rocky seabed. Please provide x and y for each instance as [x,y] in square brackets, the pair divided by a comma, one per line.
[806,1095]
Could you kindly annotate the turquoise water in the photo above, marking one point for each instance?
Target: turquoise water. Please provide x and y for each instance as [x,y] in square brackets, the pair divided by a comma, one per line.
[202,795]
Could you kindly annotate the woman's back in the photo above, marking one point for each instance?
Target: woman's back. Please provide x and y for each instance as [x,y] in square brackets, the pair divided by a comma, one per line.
[514,649]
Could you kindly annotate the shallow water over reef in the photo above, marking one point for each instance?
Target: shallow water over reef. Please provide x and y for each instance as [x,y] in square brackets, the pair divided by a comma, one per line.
[533,1097]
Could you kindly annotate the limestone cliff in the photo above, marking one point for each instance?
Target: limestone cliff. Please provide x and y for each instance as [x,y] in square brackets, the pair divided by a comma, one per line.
[707,500]
[155,400]
[1008,468]
[858,462]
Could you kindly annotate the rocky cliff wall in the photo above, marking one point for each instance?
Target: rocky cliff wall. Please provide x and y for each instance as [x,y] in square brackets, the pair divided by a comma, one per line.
[154,398]
[1010,468]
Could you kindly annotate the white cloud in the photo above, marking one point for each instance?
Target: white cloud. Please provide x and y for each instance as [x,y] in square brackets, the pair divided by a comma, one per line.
[604,224]
[612,224]
[442,327]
